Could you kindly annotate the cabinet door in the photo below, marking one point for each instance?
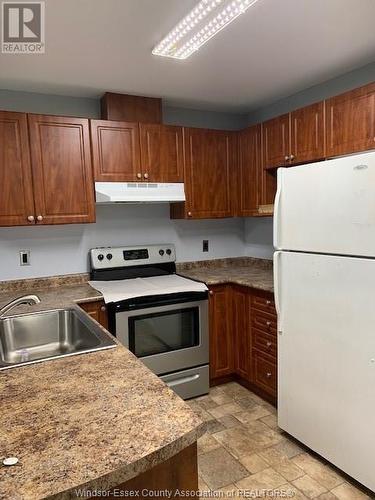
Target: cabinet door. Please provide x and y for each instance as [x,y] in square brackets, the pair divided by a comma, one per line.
[242,329]
[276,145]
[62,169]
[97,310]
[249,181]
[161,153]
[16,191]
[115,151]
[221,341]
[210,162]
[350,121]
[307,134]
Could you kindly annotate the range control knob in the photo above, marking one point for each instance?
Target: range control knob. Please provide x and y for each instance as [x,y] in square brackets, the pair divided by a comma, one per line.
[161,252]
[100,257]
[169,251]
[109,256]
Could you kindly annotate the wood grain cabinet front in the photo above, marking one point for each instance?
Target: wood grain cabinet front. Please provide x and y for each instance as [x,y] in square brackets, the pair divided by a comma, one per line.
[97,310]
[16,186]
[350,121]
[249,176]
[62,169]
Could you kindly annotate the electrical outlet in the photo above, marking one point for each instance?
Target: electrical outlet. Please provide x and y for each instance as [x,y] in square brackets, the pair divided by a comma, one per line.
[24,257]
[205,245]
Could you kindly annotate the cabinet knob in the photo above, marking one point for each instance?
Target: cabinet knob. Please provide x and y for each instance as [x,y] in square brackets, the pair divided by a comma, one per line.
[268,374]
[190,214]
[269,344]
[139,175]
[39,218]
[31,218]
[103,309]
[268,323]
[286,158]
[291,157]
[268,302]
[145,175]
[211,292]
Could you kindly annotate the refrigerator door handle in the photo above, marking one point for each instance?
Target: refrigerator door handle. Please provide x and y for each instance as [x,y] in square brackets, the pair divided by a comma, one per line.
[276,280]
[276,216]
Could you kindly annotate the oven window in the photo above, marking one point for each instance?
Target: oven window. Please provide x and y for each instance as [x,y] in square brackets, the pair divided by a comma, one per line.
[163,332]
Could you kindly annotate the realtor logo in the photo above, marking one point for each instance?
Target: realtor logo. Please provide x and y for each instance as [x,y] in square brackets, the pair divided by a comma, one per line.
[23,28]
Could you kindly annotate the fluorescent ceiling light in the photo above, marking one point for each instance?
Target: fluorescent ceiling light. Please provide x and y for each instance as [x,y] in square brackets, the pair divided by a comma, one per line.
[202,23]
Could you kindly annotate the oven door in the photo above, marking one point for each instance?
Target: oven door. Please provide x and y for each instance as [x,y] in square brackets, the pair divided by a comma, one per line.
[167,337]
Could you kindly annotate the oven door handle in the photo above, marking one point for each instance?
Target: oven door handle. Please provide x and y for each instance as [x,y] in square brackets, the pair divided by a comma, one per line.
[182,380]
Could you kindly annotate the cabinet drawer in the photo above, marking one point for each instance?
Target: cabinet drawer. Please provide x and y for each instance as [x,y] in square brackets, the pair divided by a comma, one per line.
[265,342]
[264,321]
[265,372]
[264,304]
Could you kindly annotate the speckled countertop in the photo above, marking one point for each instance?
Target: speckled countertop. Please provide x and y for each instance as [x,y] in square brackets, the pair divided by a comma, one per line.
[245,271]
[93,420]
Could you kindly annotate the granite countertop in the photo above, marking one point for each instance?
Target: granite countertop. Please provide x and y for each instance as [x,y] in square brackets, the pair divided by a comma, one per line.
[93,420]
[246,271]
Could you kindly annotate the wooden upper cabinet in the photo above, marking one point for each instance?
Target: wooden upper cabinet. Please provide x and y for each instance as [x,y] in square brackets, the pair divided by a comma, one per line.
[210,161]
[249,177]
[307,136]
[162,157]
[350,121]
[62,169]
[275,134]
[16,188]
[116,151]
[221,332]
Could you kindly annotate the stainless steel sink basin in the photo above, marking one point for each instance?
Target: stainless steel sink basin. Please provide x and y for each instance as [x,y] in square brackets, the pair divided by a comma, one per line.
[31,338]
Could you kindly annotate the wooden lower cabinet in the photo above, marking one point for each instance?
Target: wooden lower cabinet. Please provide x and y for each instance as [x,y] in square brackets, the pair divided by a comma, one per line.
[97,310]
[243,338]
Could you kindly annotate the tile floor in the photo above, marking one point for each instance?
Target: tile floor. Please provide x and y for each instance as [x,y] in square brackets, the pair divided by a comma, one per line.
[244,449]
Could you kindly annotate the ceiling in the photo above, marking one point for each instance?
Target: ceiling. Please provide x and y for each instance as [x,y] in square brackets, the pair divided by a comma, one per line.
[275,49]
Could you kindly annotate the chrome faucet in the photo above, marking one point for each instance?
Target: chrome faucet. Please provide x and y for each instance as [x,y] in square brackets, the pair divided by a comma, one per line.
[26,299]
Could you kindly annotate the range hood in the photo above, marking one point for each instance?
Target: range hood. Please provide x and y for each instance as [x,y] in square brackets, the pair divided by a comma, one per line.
[139,192]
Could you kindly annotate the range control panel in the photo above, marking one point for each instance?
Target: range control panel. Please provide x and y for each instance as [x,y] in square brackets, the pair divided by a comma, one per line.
[114,257]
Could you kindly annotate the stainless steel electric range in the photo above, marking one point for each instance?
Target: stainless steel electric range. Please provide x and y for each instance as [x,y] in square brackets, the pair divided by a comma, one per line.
[160,316]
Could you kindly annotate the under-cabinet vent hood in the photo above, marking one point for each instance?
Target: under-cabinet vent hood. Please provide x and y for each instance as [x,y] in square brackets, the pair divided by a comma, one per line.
[139,192]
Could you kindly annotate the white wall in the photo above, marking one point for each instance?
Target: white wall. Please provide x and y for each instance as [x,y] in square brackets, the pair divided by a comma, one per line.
[258,237]
[64,249]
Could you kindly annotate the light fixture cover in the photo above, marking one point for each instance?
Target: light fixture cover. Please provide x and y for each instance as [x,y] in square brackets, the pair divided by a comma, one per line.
[203,22]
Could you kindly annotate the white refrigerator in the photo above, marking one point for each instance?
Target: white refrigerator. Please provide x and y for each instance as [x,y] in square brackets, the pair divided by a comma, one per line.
[324,272]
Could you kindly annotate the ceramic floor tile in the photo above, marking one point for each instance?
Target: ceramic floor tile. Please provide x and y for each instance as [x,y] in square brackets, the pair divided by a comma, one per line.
[309,486]
[254,413]
[318,471]
[237,441]
[206,402]
[203,414]
[214,426]
[266,479]
[271,421]
[327,496]
[347,491]
[254,463]
[207,443]
[246,403]
[288,469]
[226,409]
[229,421]
[288,448]
[202,486]
[292,492]
[221,399]
[229,491]
[235,390]
[218,468]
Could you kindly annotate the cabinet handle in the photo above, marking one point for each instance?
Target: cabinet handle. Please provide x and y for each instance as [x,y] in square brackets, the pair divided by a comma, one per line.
[31,218]
[103,309]
[139,175]
[145,175]
[268,374]
[190,214]
[291,157]
[269,344]
[286,158]
[211,292]
[39,218]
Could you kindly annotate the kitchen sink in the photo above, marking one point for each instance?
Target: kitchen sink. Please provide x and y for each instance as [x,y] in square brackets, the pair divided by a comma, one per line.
[40,336]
